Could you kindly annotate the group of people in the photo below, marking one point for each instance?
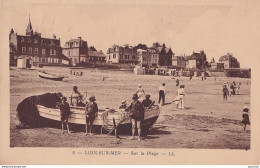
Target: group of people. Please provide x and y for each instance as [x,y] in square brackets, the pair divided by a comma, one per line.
[230,89]
[141,101]
[135,109]
[76,99]
[179,100]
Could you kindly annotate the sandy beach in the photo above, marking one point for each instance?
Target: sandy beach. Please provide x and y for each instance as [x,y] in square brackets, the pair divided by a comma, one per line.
[207,122]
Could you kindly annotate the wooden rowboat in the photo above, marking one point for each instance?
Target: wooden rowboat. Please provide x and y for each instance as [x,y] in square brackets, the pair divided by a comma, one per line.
[104,118]
[46,75]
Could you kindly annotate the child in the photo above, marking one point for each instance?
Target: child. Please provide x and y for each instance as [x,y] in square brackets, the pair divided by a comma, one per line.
[225,92]
[91,110]
[245,116]
[64,113]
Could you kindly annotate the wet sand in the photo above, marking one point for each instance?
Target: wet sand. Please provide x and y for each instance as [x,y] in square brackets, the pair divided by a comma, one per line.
[207,122]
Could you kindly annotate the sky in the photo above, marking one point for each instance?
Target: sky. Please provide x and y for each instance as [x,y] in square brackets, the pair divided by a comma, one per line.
[216,28]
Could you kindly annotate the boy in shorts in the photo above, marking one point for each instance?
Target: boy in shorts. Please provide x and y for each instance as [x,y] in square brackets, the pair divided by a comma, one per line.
[64,114]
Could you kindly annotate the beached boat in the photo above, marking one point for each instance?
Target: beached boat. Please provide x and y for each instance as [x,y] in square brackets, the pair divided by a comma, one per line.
[104,118]
[46,75]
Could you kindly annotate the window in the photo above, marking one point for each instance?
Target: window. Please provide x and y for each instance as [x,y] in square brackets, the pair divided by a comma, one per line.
[53,52]
[126,56]
[23,49]
[30,50]
[133,57]
[22,40]
[43,51]
[114,55]
[109,57]
[121,56]
[35,41]
[29,40]
[36,51]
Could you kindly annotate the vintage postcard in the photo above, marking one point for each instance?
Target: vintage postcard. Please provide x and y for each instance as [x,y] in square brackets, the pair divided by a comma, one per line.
[129,82]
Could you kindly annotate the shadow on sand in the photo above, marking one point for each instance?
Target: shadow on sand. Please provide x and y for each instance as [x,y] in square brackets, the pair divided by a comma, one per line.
[159,130]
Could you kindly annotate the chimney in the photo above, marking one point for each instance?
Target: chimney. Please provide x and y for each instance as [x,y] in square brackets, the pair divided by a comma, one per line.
[79,38]
[54,36]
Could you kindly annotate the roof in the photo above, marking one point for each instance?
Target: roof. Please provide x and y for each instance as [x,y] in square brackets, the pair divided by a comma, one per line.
[96,53]
[74,40]
[225,58]
[62,56]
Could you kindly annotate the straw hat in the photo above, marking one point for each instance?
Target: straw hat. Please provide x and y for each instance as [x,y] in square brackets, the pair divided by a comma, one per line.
[139,85]
[245,107]
[123,102]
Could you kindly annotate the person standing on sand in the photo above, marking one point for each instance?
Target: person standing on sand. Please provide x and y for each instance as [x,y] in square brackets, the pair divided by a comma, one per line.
[162,93]
[181,94]
[245,117]
[137,112]
[90,111]
[140,93]
[225,92]
[177,82]
[238,88]
[64,114]
[75,97]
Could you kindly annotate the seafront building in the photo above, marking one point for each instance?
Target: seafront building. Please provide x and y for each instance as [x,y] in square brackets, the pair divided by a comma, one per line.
[143,57]
[76,50]
[154,57]
[96,57]
[165,54]
[179,61]
[196,60]
[229,61]
[33,50]
[122,54]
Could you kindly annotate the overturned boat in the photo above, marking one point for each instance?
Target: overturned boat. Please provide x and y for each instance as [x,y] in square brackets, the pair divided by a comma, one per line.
[45,75]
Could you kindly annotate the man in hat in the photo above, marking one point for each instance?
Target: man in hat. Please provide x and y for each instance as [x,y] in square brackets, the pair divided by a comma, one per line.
[136,111]
[64,113]
[162,93]
[181,97]
[147,102]
[123,105]
[91,111]
[75,97]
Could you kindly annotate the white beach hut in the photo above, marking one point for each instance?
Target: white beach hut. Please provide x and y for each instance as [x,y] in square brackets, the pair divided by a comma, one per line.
[23,61]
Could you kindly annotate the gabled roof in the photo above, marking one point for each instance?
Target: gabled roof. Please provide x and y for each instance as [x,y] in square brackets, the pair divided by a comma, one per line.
[62,56]
[96,53]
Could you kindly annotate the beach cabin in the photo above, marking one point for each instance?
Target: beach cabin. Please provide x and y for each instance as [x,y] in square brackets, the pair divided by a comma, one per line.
[139,70]
[23,61]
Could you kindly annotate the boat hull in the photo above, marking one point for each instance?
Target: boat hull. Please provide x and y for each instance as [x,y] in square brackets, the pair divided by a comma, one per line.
[104,118]
[50,76]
